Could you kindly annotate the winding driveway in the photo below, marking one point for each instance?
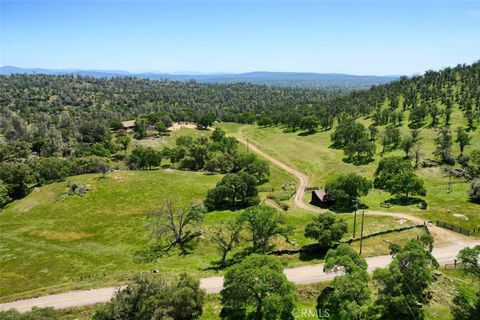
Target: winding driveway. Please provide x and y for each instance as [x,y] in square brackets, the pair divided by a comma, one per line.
[303,179]
[446,236]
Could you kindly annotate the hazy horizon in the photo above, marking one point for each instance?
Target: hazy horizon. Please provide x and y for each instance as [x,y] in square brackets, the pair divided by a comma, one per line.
[230,37]
[208,73]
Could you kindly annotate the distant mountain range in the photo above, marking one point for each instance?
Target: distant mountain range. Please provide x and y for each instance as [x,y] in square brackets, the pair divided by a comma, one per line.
[283,79]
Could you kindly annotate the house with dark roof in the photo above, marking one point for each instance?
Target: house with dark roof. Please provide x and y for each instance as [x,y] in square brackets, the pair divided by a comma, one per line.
[321,199]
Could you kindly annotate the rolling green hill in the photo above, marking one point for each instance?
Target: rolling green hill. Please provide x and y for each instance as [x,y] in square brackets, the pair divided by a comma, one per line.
[54,241]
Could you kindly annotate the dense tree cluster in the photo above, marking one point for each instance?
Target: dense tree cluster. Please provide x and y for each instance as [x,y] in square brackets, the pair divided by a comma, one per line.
[72,106]
[401,288]
[347,189]
[430,98]
[257,288]
[352,136]
[217,154]
[233,191]
[17,178]
[150,298]
[71,117]
[397,176]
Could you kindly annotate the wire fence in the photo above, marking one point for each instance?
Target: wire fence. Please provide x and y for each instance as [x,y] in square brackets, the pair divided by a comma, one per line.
[458,229]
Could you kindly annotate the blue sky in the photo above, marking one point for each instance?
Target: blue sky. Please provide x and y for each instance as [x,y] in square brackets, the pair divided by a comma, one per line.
[357,37]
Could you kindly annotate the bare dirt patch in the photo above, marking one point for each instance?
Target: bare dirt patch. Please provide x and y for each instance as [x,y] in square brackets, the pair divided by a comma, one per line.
[179,125]
[66,236]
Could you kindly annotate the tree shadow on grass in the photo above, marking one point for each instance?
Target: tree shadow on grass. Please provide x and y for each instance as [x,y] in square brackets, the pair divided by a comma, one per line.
[154,251]
[336,146]
[347,209]
[150,253]
[358,161]
[403,202]
[288,130]
[236,258]
[307,133]
[312,252]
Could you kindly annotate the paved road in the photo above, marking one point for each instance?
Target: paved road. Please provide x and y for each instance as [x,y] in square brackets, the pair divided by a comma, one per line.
[299,275]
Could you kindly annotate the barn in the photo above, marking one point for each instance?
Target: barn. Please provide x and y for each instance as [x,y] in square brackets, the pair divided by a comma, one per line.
[321,199]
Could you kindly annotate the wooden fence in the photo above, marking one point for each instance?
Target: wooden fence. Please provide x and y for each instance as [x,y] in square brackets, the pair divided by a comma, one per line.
[458,229]
[455,265]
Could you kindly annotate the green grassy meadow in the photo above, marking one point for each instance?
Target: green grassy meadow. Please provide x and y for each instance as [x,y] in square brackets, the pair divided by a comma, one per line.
[52,238]
[53,241]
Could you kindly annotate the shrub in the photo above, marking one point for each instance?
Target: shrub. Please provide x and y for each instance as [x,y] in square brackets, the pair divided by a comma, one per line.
[34,314]
[84,165]
[77,188]
[51,169]
[474,192]
[149,298]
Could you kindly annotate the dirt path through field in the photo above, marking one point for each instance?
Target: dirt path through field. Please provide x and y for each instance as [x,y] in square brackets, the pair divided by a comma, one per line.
[303,178]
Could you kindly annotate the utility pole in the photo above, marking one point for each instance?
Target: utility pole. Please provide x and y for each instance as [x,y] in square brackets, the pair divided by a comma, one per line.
[247,144]
[449,181]
[355,217]
[361,232]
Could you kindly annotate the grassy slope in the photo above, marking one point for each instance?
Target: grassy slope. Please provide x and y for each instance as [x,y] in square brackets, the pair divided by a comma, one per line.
[53,242]
[312,155]
[52,238]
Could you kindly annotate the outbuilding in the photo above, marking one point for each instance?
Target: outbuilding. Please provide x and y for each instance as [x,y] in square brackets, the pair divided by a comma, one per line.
[128,125]
[321,199]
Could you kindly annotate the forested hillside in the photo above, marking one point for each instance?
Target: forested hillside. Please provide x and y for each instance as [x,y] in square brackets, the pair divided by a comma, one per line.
[74,117]
[330,81]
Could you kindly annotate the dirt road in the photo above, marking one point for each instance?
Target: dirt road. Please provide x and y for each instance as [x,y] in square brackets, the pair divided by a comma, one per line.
[441,236]
[302,178]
